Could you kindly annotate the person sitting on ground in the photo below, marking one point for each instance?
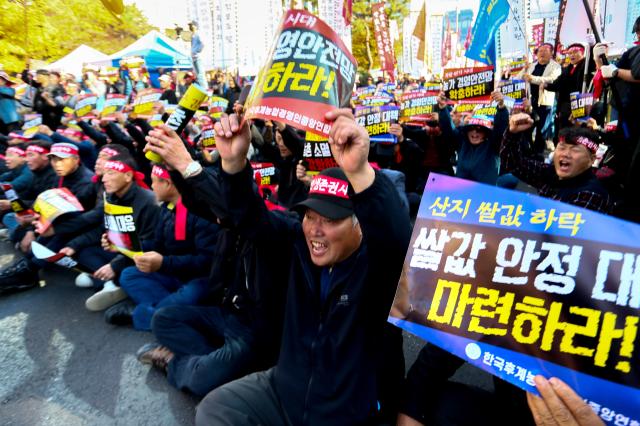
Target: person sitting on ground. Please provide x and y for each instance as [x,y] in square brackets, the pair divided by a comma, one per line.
[19,174]
[43,178]
[173,268]
[570,178]
[23,273]
[136,207]
[476,142]
[343,261]
[91,219]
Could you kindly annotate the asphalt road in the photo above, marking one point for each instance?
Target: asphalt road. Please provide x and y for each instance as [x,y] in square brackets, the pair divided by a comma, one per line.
[61,365]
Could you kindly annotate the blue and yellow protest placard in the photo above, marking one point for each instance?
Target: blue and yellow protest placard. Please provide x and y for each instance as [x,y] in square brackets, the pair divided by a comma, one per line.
[377,121]
[521,285]
[581,104]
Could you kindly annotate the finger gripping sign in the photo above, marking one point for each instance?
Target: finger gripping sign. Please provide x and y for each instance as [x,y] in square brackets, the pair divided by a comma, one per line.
[520,285]
[308,73]
[121,229]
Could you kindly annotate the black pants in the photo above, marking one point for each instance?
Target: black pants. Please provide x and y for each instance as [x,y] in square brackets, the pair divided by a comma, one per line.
[250,401]
[211,346]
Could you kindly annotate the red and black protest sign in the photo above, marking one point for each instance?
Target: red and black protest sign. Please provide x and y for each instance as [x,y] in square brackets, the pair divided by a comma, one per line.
[418,105]
[264,172]
[468,83]
[309,72]
[383,40]
[317,154]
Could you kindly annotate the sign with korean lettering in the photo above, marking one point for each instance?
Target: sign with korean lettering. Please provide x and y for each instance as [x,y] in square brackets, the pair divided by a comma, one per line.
[264,172]
[466,83]
[515,89]
[52,204]
[113,104]
[518,64]
[581,104]
[85,105]
[31,125]
[121,229]
[418,105]
[377,121]
[521,285]
[217,106]
[317,154]
[208,137]
[17,205]
[386,54]
[377,100]
[309,72]
[144,100]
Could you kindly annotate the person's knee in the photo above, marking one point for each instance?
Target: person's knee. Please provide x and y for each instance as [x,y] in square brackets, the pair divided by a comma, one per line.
[165,318]
[210,406]
[129,276]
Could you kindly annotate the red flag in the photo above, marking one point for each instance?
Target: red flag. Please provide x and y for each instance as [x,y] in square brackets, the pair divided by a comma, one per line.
[467,40]
[446,50]
[383,40]
[347,9]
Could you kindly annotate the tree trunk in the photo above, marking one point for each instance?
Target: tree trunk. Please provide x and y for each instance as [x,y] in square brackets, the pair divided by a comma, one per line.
[367,42]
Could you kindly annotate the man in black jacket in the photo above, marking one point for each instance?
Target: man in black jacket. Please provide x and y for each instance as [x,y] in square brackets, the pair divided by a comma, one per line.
[137,214]
[76,178]
[174,266]
[343,265]
[570,80]
[43,178]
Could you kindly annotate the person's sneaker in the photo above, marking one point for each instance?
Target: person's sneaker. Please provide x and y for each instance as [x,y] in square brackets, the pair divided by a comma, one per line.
[108,296]
[84,280]
[4,234]
[155,355]
[144,353]
[121,313]
[20,275]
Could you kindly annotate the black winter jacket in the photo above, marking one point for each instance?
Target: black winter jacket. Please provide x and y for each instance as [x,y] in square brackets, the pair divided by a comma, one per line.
[145,217]
[188,259]
[43,179]
[330,353]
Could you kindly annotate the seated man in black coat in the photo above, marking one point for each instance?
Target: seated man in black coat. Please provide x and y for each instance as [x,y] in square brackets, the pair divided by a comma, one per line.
[343,265]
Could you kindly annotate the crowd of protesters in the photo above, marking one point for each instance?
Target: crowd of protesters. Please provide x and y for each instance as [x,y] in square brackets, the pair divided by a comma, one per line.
[270,301]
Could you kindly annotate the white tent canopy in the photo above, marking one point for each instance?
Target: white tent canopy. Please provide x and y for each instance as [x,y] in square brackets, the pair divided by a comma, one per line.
[73,62]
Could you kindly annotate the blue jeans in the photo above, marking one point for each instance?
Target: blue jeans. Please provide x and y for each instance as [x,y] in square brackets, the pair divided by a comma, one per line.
[211,346]
[155,290]
[199,72]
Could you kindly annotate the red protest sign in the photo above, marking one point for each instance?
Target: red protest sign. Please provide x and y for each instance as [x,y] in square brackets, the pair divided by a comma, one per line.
[418,105]
[385,47]
[308,73]
[467,83]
